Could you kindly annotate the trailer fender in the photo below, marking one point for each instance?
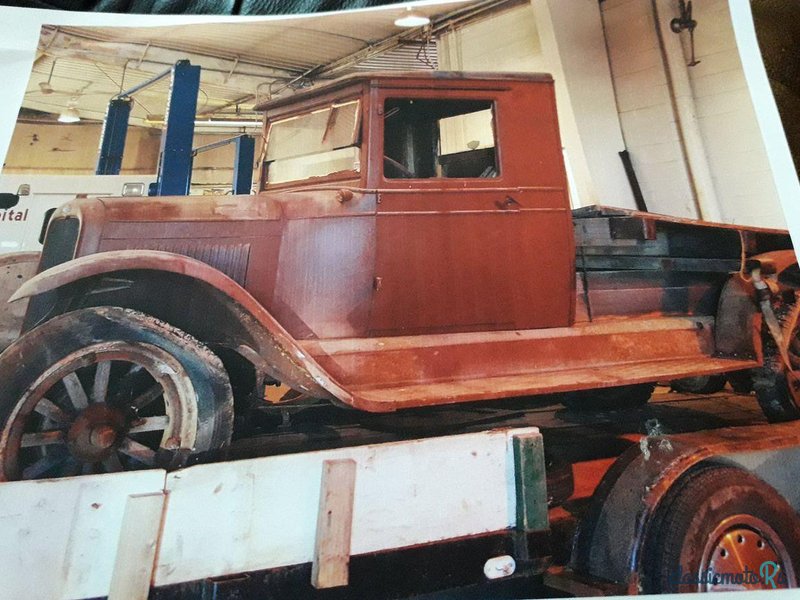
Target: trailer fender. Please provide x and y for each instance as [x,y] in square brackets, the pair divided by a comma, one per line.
[611,538]
[276,350]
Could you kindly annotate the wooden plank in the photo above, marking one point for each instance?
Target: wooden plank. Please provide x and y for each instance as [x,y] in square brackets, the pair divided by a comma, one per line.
[705,265]
[531,482]
[330,567]
[261,513]
[136,552]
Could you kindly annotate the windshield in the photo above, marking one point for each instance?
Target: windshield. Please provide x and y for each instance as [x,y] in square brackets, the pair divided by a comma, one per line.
[314,144]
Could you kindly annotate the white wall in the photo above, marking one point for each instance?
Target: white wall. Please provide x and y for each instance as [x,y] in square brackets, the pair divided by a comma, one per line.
[584,76]
[733,144]
[645,109]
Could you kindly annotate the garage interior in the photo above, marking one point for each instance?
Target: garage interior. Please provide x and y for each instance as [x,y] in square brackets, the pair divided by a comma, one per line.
[645,118]
[622,85]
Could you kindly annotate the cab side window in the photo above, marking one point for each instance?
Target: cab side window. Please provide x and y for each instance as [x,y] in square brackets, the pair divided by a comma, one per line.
[425,139]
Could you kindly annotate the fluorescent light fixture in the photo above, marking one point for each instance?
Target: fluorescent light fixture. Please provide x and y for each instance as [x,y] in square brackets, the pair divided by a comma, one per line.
[412,18]
[224,123]
[69,115]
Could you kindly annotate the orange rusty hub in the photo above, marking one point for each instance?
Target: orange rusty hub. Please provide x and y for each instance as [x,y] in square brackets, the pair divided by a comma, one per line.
[95,432]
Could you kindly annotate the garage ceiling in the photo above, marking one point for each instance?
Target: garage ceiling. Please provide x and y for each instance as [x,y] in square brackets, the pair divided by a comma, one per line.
[241,62]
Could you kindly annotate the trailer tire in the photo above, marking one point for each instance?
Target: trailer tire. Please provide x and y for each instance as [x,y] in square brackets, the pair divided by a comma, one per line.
[612,398]
[108,389]
[708,511]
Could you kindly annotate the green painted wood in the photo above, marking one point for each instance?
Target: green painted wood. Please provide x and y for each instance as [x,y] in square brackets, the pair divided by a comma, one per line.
[531,482]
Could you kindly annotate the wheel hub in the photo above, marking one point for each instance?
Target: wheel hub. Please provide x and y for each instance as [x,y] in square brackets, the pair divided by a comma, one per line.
[95,433]
[737,556]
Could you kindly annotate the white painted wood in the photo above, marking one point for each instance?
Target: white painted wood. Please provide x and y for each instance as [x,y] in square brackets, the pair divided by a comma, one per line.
[59,537]
[329,567]
[262,513]
[136,551]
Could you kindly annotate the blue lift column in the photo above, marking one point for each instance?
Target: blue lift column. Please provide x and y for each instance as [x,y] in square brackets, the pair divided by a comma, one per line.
[175,157]
[112,138]
[243,164]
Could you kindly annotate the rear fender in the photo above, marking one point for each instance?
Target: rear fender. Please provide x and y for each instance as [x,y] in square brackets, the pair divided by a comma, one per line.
[612,538]
[269,346]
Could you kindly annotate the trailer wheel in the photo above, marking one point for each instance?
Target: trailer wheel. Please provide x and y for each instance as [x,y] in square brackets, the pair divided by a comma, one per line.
[613,398]
[721,528]
[108,389]
[702,384]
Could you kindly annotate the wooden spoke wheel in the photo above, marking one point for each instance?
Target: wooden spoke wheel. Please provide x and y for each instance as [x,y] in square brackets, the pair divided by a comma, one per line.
[107,389]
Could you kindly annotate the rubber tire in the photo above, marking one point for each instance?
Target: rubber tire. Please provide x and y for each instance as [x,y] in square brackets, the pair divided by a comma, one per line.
[613,398]
[702,384]
[24,360]
[695,506]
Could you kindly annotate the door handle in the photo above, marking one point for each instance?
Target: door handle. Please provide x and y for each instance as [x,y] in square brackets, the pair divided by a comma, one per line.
[508,204]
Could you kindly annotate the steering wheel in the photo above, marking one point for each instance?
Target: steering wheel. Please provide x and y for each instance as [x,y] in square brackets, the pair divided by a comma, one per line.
[401,168]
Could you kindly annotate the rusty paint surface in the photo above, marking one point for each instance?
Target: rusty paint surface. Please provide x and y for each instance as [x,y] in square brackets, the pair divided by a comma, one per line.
[384,292]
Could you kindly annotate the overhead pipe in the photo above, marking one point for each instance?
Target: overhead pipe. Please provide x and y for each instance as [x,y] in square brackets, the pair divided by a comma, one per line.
[685,112]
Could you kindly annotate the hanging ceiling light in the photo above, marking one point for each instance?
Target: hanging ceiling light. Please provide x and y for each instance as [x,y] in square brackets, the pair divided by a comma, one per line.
[70,114]
[411,18]
[44,86]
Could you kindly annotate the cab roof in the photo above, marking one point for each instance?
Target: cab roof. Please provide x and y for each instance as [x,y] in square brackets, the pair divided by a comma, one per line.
[443,79]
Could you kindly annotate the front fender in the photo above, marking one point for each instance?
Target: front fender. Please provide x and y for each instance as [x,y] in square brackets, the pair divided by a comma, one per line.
[279,350]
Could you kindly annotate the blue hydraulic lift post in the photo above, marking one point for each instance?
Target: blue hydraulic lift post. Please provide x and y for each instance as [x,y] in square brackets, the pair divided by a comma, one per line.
[243,164]
[112,138]
[175,157]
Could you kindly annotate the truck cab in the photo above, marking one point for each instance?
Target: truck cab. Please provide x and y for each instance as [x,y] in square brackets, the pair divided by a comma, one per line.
[446,178]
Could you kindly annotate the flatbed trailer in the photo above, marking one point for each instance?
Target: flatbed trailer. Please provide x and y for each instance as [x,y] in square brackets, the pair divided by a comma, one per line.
[430,514]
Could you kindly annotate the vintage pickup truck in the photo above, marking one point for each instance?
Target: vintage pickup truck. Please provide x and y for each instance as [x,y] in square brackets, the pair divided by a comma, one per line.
[412,245]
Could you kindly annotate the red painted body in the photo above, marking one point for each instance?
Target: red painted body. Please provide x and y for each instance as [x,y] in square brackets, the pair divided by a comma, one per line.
[384,291]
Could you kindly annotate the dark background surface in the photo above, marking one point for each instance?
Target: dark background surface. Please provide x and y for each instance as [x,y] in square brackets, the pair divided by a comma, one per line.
[210,7]
[778,29]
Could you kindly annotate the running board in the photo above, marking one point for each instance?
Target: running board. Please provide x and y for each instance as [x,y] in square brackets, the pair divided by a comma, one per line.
[385,374]
[427,394]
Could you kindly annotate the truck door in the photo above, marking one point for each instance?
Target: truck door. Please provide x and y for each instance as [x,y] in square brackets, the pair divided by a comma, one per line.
[465,242]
